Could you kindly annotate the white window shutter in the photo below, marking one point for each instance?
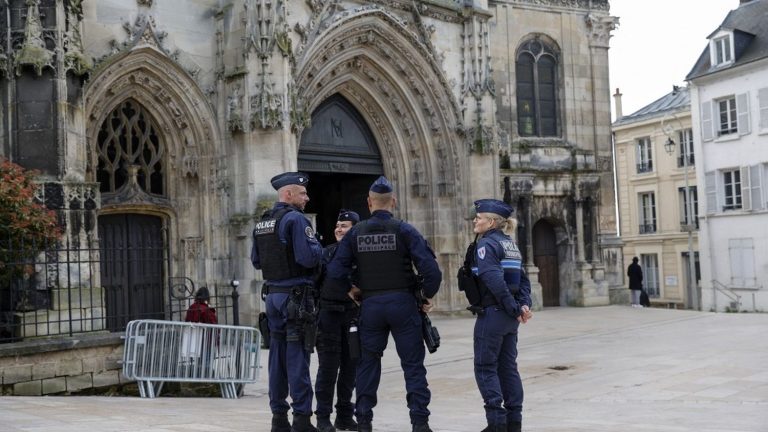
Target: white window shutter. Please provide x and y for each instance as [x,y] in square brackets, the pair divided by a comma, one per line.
[710,180]
[762,99]
[706,121]
[742,113]
[746,202]
[755,183]
[734,253]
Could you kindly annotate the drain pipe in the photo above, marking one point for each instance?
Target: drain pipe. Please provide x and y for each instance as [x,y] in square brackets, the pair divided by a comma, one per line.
[10,80]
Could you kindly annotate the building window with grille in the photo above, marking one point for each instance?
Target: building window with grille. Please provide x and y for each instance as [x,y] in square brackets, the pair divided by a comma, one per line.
[688,220]
[129,146]
[650,265]
[647,205]
[644,155]
[728,120]
[536,79]
[685,138]
[732,189]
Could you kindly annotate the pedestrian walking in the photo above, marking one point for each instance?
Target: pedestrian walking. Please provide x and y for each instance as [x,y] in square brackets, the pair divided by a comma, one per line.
[635,274]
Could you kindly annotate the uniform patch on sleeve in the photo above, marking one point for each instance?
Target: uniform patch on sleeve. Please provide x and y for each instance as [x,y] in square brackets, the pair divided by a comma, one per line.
[309,232]
[481,252]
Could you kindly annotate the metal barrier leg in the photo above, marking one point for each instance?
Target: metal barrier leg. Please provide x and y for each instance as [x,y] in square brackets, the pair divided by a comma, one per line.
[142,392]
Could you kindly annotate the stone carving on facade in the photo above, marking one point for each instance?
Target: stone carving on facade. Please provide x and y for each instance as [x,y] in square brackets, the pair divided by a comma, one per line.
[3,62]
[75,58]
[600,28]
[141,32]
[219,176]
[131,193]
[147,3]
[192,247]
[321,12]
[482,139]
[299,114]
[266,27]
[572,4]
[190,163]
[266,106]
[235,111]
[159,92]
[33,51]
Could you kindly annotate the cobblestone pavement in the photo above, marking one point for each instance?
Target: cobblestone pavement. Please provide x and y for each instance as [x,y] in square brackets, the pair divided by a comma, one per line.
[606,369]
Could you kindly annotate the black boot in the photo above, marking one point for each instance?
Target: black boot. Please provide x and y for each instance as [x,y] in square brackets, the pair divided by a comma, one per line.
[301,423]
[495,428]
[345,423]
[364,427]
[324,424]
[514,426]
[280,423]
[424,427]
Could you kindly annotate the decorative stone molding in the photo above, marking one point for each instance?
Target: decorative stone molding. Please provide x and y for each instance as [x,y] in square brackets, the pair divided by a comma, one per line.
[3,62]
[235,111]
[266,27]
[131,193]
[600,28]
[219,176]
[240,224]
[75,58]
[481,140]
[141,33]
[33,51]
[571,4]
[266,106]
[146,3]
[156,88]
[321,12]
[300,116]
[192,247]
[190,163]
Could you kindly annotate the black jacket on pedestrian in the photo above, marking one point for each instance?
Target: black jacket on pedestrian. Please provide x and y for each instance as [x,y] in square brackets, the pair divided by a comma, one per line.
[635,274]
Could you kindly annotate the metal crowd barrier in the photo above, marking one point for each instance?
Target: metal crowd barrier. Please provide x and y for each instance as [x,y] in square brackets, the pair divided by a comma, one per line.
[158,351]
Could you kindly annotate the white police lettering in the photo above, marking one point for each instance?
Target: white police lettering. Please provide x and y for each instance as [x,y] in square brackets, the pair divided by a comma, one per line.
[265,227]
[481,252]
[376,242]
[510,249]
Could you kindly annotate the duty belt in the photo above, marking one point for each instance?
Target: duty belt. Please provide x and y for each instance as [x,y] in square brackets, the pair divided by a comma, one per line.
[380,292]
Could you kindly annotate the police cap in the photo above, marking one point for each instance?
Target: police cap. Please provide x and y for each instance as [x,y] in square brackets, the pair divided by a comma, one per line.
[348,215]
[289,178]
[493,206]
[381,185]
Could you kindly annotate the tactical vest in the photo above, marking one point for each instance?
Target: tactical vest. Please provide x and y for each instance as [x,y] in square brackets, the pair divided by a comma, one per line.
[277,258]
[383,262]
[329,290]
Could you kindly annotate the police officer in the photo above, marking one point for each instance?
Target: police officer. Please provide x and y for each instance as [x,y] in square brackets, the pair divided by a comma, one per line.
[287,252]
[337,310]
[506,302]
[385,251]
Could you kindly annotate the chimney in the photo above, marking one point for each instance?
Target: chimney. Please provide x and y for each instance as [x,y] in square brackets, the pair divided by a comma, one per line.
[617,103]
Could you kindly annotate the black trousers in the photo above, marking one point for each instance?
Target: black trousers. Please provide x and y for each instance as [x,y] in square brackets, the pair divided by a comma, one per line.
[335,368]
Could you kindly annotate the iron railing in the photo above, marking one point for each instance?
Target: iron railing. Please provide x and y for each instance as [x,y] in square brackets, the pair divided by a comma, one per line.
[55,289]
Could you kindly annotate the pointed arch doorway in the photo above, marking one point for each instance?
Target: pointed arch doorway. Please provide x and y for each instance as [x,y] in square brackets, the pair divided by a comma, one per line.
[545,258]
[341,155]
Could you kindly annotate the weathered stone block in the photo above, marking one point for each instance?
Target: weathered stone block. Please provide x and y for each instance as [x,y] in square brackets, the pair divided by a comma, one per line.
[15,374]
[44,370]
[93,364]
[105,379]
[70,367]
[28,388]
[75,383]
[54,385]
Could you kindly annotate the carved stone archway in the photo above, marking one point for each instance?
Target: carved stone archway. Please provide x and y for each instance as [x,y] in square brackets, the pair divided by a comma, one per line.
[372,59]
[146,75]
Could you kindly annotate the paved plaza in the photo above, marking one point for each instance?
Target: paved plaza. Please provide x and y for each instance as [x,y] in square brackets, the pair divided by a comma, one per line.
[605,369]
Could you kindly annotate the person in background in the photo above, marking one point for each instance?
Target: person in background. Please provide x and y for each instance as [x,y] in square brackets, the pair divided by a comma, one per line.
[200,311]
[635,274]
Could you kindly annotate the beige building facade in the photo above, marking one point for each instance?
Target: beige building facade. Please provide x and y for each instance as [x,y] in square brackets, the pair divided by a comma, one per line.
[655,219]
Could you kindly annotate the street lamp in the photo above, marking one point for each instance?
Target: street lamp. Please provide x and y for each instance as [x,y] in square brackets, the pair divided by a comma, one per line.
[669,147]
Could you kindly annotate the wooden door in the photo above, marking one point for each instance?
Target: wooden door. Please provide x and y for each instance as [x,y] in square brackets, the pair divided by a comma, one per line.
[545,258]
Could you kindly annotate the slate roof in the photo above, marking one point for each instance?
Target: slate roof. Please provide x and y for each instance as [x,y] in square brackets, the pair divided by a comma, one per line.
[677,100]
[749,20]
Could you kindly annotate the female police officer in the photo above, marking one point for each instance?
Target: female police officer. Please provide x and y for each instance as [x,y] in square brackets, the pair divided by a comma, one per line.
[506,303]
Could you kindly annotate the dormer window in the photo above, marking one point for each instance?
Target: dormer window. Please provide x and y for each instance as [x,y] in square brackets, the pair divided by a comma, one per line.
[722,50]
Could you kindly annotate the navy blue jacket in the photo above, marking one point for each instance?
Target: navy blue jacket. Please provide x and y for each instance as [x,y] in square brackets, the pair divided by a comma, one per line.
[499,266]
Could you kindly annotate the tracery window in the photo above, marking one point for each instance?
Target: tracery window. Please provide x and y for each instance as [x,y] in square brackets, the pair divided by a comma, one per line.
[128,137]
[536,76]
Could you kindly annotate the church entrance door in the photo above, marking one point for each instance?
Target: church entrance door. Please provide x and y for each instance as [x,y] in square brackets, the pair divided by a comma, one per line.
[545,258]
[340,154]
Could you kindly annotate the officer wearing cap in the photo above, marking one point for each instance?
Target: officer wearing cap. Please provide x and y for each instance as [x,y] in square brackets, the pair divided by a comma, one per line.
[385,251]
[506,302]
[337,310]
[287,252]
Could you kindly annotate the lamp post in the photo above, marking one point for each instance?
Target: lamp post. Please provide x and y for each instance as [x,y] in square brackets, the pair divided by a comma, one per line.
[669,147]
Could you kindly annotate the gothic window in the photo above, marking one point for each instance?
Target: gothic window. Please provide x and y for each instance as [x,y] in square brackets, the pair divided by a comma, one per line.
[536,75]
[128,137]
